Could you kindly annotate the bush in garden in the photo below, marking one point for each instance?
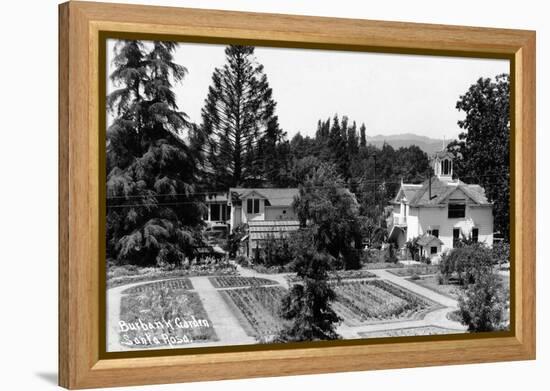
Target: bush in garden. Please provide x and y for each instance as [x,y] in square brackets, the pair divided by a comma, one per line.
[413,248]
[501,252]
[234,239]
[466,262]
[482,304]
[390,256]
[276,252]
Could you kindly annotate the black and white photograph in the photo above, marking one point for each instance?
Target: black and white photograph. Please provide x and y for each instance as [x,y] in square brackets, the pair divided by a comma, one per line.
[267,195]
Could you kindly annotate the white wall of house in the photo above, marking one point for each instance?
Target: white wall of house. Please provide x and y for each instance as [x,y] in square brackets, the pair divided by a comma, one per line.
[422,219]
[279,213]
[245,216]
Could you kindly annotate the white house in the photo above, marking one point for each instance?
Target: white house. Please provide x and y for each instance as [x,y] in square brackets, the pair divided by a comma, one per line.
[270,204]
[440,211]
[267,213]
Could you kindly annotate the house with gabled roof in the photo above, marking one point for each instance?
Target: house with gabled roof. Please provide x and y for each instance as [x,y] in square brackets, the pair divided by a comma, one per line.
[258,204]
[440,211]
[267,213]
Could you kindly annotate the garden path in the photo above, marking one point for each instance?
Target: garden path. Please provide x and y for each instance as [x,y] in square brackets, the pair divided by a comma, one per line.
[419,290]
[279,277]
[227,327]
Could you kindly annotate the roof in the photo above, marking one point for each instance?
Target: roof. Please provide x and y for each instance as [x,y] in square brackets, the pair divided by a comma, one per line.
[264,229]
[427,239]
[216,197]
[441,190]
[442,154]
[409,190]
[275,196]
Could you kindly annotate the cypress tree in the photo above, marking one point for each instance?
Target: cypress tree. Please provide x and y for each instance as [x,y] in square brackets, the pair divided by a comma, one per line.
[153,213]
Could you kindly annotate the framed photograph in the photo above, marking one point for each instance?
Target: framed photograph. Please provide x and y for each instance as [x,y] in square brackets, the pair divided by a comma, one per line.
[247,195]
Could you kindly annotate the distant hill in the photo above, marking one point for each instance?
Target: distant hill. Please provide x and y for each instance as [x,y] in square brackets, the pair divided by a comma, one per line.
[427,144]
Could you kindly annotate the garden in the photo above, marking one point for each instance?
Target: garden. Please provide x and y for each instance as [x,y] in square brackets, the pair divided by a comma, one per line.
[366,301]
[156,311]
[257,309]
[238,281]
[118,275]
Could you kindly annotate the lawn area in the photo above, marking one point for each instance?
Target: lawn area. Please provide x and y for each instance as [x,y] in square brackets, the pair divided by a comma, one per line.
[358,302]
[238,281]
[419,270]
[257,309]
[409,332]
[128,274]
[432,282]
[163,314]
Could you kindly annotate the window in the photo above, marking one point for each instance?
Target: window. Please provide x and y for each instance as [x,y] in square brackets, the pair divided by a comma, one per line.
[457,210]
[252,205]
[434,232]
[228,212]
[446,167]
[475,234]
[214,212]
[456,236]
[433,250]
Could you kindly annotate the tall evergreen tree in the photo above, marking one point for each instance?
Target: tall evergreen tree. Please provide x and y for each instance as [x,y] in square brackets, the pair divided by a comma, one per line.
[353,141]
[238,111]
[153,213]
[363,131]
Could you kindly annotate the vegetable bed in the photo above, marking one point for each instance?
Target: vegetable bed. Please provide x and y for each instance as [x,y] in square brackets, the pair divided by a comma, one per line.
[161,306]
[182,283]
[257,309]
[358,302]
[238,281]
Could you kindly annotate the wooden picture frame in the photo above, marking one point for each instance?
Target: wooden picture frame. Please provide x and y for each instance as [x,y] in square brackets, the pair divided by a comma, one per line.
[81,364]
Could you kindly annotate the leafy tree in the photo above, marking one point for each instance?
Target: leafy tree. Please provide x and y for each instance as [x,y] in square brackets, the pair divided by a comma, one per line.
[307,304]
[331,211]
[153,213]
[238,120]
[482,305]
[482,150]
[467,262]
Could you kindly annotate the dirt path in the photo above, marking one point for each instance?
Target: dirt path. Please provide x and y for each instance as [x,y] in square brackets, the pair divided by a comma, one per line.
[226,325]
[279,277]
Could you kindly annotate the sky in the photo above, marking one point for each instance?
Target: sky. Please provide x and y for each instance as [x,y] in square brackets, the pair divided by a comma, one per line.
[390,93]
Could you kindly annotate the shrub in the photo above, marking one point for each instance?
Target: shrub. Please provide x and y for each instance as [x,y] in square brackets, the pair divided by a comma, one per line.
[482,304]
[390,254]
[466,262]
[501,253]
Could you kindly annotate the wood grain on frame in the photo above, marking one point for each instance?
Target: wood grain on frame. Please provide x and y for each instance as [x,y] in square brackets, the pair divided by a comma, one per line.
[80,365]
